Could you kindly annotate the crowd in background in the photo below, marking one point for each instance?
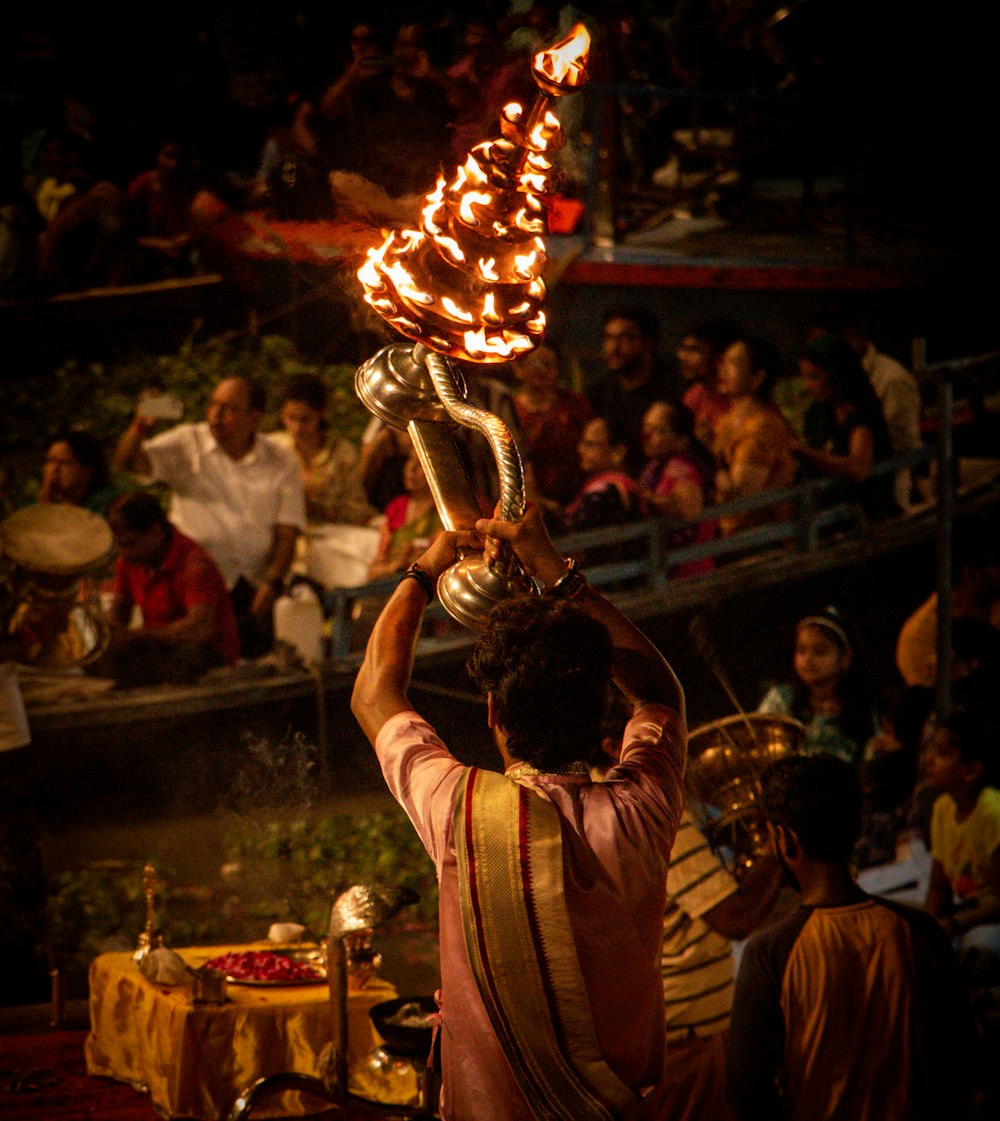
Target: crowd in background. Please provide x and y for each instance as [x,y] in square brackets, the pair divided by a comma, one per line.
[84,203]
[121,153]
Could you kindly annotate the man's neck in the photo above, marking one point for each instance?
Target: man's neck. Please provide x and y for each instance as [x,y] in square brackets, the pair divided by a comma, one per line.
[237,453]
[827,885]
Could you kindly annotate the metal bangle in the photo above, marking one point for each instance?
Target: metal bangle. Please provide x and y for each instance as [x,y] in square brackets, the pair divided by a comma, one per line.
[570,584]
[422,577]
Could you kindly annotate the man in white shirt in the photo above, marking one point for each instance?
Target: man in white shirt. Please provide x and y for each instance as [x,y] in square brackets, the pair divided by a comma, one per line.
[234,492]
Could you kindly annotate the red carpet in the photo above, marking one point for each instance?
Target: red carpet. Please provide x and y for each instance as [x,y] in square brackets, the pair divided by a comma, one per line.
[43,1077]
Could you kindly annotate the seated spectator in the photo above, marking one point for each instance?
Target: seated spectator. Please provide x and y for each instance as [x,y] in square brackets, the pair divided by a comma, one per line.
[677,480]
[406,152]
[234,491]
[292,180]
[76,472]
[51,187]
[754,441]
[814,1031]
[898,394]
[828,692]
[552,419]
[411,521]
[698,355]
[85,246]
[159,211]
[845,433]
[329,462]
[964,891]
[369,56]
[188,625]
[384,451]
[485,76]
[633,378]
[609,496]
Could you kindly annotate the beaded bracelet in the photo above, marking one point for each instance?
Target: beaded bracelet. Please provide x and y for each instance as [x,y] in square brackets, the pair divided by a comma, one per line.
[422,577]
[570,584]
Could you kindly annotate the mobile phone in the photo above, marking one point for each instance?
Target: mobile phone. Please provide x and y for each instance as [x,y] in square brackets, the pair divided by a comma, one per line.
[160,406]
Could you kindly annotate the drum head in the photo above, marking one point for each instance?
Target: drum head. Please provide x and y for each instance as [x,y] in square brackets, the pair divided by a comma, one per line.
[56,539]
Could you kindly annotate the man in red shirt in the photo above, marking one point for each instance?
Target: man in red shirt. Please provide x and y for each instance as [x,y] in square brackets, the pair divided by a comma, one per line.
[188,624]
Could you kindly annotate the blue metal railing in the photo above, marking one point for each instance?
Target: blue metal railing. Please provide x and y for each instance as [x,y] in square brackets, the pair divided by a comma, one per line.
[646,561]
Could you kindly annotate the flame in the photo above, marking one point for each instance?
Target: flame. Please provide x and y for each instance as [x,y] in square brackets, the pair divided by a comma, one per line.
[455,311]
[565,64]
[468,282]
[470,199]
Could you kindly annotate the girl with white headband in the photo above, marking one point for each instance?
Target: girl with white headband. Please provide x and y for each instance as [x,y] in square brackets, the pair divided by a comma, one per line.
[828,693]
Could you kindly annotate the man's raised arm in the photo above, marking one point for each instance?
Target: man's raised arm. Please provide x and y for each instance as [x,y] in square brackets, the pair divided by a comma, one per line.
[381,685]
[130,456]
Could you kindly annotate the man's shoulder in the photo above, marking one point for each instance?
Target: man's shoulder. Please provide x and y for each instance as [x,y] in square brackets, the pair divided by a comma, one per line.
[188,436]
[270,451]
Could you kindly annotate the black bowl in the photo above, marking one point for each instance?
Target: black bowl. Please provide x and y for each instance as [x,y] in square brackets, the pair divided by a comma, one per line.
[406,1040]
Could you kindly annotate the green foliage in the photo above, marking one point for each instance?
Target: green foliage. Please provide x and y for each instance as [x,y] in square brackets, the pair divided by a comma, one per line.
[101,396]
[312,860]
[101,907]
[280,870]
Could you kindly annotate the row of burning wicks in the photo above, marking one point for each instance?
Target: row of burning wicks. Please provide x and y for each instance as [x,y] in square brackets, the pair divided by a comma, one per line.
[468,283]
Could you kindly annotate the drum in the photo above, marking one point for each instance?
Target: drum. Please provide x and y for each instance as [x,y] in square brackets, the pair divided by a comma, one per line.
[726,759]
[50,556]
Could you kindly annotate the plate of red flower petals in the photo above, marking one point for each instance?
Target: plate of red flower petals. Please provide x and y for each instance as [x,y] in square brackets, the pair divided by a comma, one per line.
[271,967]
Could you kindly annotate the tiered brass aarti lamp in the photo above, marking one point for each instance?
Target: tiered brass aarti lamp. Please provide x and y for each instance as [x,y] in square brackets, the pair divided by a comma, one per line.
[468,285]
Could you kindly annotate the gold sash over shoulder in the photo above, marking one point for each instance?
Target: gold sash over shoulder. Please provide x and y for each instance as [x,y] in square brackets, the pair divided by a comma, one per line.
[521,949]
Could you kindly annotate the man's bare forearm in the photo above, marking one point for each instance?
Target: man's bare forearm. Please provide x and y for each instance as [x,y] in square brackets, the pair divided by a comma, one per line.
[129,454]
[381,685]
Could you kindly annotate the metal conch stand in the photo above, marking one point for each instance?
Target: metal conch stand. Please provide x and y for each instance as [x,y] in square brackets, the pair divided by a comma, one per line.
[416,390]
[356,911]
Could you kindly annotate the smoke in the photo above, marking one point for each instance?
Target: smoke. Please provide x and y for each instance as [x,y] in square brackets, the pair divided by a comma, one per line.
[269,773]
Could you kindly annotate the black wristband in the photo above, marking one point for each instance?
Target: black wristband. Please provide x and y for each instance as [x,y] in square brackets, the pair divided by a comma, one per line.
[422,577]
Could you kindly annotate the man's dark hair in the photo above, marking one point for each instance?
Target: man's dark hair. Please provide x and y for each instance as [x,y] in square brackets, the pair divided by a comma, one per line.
[818,797]
[89,453]
[647,321]
[256,392]
[547,665]
[137,511]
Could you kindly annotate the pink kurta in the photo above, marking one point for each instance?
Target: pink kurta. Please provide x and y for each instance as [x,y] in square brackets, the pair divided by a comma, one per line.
[617,837]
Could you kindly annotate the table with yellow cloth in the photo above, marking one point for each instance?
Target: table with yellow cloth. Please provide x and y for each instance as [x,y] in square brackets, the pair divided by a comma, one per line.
[195,1059]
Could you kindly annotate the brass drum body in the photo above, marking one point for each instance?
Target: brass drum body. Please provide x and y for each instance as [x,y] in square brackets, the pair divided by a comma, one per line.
[50,557]
[726,759]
